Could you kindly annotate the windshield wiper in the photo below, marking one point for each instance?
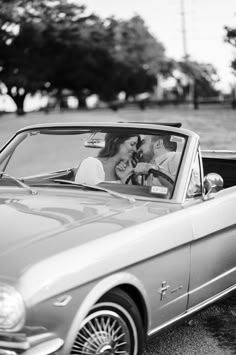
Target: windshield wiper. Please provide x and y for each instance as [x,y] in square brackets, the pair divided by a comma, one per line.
[98,188]
[18,181]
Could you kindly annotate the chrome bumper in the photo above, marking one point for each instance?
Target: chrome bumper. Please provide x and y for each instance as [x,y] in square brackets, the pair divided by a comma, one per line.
[30,341]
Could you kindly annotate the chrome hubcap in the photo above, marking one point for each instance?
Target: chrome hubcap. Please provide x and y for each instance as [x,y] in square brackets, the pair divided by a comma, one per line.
[103,332]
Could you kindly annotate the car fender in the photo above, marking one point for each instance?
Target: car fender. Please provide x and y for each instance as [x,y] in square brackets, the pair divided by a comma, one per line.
[99,290]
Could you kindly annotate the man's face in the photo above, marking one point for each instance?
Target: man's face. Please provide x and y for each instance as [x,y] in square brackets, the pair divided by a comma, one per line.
[146,149]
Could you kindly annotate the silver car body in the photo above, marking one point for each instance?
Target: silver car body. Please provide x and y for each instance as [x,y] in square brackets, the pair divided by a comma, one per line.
[63,249]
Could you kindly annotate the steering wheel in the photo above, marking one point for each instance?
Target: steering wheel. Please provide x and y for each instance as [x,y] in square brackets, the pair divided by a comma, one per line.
[156,173]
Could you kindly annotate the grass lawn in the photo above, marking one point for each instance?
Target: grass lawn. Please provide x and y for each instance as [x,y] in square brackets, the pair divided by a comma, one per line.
[216,126]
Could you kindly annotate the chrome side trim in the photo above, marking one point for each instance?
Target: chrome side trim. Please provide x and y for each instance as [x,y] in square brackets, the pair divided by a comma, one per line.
[193,310]
[213,280]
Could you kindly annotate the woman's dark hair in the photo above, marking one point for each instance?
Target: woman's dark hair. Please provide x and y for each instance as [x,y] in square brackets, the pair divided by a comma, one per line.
[113,142]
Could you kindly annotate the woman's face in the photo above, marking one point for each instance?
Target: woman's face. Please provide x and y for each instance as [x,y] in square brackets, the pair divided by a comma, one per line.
[127,148]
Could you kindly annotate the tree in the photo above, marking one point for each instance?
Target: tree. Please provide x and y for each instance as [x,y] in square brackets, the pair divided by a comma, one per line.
[203,78]
[90,63]
[231,39]
[231,35]
[22,73]
[137,55]
[30,43]
[54,45]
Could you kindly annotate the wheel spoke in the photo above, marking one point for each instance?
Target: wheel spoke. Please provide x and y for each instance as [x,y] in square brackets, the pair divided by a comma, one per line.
[116,331]
[99,334]
[87,331]
[120,344]
[112,326]
[96,340]
[120,336]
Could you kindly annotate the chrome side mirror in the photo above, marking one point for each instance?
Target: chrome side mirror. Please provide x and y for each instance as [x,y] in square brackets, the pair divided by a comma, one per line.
[213,182]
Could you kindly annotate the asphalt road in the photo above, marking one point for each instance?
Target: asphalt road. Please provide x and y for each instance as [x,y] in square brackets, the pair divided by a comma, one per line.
[210,332]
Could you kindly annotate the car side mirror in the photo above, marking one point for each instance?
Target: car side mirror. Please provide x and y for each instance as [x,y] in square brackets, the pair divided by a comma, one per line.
[213,183]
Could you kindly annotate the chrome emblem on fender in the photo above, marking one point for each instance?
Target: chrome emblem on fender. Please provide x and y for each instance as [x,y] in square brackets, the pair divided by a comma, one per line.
[163,289]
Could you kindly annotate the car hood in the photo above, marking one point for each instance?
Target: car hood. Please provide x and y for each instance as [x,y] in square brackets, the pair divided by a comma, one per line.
[26,219]
[37,227]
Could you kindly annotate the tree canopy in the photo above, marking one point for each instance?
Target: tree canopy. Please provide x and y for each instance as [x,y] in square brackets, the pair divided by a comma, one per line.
[34,40]
[231,39]
[54,44]
[203,75]
[137,55]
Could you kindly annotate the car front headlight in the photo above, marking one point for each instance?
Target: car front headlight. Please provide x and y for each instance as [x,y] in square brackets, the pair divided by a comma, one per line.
[12,309]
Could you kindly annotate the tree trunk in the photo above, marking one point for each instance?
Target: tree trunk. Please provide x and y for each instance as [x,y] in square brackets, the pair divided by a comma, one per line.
[234,99]
[19,101]
[61,100]
[82,101]
[195,96]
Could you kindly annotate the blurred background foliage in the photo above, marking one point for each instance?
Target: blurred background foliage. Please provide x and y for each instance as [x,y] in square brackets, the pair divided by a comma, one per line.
[56,46]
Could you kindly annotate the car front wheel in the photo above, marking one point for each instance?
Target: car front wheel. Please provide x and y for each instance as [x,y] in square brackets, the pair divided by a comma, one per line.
[113,326]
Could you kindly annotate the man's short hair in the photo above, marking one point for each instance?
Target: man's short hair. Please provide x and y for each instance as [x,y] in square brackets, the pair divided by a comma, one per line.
[168,144]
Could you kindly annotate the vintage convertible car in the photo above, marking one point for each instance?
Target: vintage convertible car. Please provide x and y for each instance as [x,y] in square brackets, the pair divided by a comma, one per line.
[95,269]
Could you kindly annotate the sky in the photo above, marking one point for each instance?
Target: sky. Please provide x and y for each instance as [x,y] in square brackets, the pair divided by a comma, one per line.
[204,28]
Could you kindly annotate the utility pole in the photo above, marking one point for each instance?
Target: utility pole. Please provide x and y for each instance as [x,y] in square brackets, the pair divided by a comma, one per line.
[184,30]
[193,83]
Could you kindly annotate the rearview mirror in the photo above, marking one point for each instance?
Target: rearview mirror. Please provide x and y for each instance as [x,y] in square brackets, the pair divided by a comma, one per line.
[95,143]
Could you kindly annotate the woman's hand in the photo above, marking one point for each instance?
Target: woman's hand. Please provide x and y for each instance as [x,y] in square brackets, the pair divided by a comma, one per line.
[123,170]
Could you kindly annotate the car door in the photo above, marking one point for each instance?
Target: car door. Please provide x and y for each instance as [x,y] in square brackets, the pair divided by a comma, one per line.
[213,248]
[165,275]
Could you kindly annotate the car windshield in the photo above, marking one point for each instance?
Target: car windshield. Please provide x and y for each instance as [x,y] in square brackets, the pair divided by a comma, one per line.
[131,161]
